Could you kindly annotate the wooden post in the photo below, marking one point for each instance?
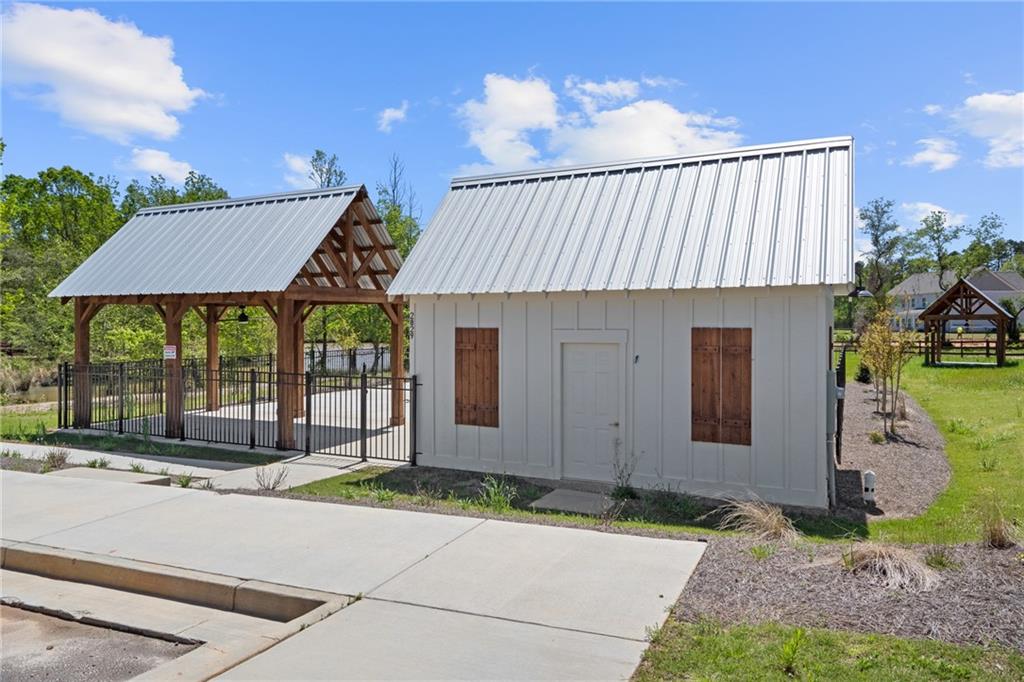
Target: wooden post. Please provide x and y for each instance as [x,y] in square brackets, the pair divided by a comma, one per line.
[1000,342]
[174,419]
[82,415]
[398,366]
[300,361]
[213,313]
[285,368]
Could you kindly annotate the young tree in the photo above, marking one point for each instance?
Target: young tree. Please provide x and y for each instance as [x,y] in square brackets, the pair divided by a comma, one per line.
[885,352]
[934,237]
[396,202]
[881,228]
[1014,306]
[325,171]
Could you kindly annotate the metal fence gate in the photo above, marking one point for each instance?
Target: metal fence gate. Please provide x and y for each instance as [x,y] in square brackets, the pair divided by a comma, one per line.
[364,415]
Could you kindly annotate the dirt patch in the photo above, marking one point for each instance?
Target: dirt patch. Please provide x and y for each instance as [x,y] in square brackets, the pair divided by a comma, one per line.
[41,647]
[980,600]
[911,470]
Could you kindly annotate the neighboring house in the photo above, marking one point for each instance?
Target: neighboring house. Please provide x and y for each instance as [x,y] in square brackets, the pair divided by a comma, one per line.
[671,315]
[917,292]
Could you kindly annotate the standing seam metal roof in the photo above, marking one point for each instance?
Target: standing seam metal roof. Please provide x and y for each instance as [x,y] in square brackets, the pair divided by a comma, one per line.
[772,215]
[249,244]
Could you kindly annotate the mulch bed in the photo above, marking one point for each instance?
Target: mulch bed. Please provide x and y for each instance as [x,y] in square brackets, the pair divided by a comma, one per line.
[979,602]
[911,469]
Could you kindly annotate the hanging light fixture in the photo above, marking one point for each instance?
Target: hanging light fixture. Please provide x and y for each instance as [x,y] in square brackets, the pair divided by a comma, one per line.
[242,317]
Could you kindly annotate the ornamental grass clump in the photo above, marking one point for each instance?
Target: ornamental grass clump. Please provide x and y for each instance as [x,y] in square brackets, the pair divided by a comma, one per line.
[997,531]
[892,566]
[764,521]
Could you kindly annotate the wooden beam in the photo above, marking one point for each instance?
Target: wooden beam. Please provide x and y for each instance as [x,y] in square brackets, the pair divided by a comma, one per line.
[174,419]
[269,307]
[160,311]
[389,310]
[199,312]
[335,295]
[372,235]
[349,245]
[339,263]
[82,406]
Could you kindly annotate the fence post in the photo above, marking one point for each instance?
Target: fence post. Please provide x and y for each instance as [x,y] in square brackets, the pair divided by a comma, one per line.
[312,357]
[60,395]
[310,378]
[120,397]
[252,408]
[362,414]
[181,399]
[411,422]
[67,394]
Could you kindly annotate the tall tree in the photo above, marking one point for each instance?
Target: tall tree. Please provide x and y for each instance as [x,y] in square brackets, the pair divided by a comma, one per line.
[987,249]
[158,192]
[325,171]
[934,237]
[878,224]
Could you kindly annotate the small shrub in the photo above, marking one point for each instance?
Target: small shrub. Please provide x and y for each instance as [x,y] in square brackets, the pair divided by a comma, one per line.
[184,480]
[460,502]
[10,453]
[165,472]
[989,462]
[876,437]
[939,558]
[669,505]
[137,468]
[428,495]
[894,567]
[790,650]
[764,521]
[961,427]
[380,493]
[207,484]
[54,459]
[497,494]
[997,531]
[98,463]
[270,477]
[863,375]
[762,552]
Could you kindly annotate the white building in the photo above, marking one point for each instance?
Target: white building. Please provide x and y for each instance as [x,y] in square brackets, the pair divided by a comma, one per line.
[671,313]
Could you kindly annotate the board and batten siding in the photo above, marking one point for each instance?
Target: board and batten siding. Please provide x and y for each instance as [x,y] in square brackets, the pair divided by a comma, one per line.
[787,460]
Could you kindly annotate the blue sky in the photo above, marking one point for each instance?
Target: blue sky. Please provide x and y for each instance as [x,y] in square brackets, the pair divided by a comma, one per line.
[243,92]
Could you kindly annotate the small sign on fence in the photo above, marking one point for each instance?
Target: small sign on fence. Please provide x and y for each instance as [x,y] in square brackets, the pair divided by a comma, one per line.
[170,352]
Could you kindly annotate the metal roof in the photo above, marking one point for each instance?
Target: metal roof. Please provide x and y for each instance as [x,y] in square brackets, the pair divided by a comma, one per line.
[250,244]
[771,215]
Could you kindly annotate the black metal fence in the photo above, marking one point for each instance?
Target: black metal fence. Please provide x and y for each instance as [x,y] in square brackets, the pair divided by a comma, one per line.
[369,416]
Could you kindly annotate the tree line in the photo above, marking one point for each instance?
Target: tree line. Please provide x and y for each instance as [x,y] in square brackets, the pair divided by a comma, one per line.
[52,222]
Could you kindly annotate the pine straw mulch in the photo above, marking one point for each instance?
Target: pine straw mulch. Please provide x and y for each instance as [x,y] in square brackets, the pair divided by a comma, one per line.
[911,469]
[978,602]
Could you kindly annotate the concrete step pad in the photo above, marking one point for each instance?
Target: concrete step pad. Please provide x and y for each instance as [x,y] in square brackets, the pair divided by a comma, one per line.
[574,502]
[98,474]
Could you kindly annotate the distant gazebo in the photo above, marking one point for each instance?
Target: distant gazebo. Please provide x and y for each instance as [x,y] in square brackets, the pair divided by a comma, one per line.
[962,301]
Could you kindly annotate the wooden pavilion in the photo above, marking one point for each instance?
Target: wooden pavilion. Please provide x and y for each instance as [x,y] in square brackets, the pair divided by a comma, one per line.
[287,253]
[962,302]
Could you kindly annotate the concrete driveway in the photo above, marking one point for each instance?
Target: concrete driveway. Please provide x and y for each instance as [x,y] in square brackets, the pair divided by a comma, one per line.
[444,597]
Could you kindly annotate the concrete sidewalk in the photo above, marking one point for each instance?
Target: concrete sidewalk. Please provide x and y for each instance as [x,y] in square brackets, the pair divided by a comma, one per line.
[444,596]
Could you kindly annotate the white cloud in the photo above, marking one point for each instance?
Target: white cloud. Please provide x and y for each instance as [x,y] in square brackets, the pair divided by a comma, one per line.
[157,162]
[499,124]
[998,119]
[592,95]
[916,211]
[390,116]
[522,123]
[938,152]
[932,109]
[644,128]
[661,82]
[297,171]
[105,77]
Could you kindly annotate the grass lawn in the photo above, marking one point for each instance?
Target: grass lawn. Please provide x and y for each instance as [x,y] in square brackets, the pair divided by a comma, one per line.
[707,651]
[980,412]
[39,427]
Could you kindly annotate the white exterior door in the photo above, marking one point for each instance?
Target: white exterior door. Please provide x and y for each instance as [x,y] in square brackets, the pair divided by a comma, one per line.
[591,408]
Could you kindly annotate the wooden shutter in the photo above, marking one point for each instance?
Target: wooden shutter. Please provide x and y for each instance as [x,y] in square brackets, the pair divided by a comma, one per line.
[476,376]
[720,385]
[705,394]
[736,370]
